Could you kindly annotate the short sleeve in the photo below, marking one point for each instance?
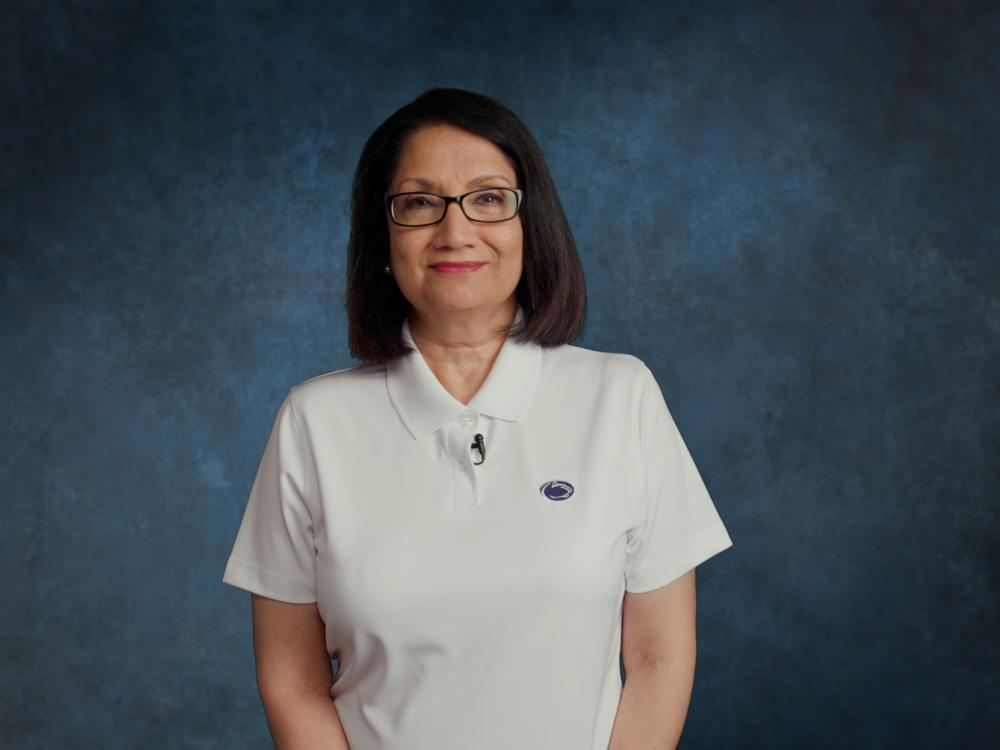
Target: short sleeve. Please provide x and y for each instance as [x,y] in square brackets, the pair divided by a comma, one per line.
[274,554]
[678,527]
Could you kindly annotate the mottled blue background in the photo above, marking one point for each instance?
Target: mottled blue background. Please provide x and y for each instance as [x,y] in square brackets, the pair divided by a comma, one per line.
[790,211]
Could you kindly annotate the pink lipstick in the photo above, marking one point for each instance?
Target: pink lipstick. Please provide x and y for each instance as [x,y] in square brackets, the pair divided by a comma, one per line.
[457,267]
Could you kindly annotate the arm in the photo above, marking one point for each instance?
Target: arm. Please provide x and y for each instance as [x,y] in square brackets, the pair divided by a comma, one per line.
[294,676]
[658,651]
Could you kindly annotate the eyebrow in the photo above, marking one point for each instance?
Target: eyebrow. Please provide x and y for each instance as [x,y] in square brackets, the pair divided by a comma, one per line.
[430,184]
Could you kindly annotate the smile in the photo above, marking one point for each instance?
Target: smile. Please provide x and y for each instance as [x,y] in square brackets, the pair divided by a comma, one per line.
[457,267]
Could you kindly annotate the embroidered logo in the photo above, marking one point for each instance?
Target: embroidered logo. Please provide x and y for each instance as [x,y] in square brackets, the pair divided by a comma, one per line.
[556,490]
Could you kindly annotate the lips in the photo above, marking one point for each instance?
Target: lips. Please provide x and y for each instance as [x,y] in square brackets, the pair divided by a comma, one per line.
[464,267]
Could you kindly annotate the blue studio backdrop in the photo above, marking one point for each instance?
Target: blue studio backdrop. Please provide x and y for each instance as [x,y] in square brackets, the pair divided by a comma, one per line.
[789,210]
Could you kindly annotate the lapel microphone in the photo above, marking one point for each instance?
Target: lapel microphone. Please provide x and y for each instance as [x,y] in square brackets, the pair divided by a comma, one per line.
[479,445]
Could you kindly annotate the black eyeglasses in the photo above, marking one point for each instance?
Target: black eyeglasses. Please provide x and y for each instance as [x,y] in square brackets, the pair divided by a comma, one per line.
[486,205]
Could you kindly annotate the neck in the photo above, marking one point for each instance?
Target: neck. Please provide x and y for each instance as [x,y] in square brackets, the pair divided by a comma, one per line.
[460,348]
[461,337]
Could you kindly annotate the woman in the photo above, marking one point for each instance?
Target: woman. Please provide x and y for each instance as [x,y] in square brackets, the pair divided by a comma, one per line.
[478,520]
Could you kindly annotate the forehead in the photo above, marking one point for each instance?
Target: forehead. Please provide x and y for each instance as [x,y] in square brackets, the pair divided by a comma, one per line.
[445,153]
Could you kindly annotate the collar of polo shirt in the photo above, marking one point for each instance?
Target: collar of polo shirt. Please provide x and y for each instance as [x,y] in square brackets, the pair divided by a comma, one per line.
[425,405]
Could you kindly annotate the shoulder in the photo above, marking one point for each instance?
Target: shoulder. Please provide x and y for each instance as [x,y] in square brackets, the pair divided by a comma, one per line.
[615,364]
[354,383]
[569,363]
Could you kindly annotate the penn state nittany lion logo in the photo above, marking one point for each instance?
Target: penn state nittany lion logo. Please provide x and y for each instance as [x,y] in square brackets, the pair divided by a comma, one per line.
[556,490]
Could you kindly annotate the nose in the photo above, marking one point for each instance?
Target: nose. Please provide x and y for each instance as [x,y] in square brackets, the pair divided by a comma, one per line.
[454,230]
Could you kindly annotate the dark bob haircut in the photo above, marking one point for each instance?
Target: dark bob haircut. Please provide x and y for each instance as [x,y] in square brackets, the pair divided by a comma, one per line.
[551,290]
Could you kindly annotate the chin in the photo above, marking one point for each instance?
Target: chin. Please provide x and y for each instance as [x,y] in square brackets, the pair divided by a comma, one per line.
[463,303]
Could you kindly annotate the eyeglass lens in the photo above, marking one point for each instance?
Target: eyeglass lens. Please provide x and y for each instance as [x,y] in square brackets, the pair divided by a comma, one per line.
[489,204]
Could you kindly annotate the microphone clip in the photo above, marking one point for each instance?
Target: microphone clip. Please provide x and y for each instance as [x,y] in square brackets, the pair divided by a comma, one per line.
[479,445]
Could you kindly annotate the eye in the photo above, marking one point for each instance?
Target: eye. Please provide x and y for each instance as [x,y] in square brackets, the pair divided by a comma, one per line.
[417,201]
[489,197]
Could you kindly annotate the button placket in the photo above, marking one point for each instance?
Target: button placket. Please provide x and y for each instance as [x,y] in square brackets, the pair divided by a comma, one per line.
[460,445]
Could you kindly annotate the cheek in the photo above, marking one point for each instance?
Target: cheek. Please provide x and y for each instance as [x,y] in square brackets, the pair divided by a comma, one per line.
[400,245]
[513,244]
[517,250]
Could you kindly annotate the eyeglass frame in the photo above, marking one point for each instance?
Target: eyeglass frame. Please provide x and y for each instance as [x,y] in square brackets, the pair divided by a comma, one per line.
[449,199]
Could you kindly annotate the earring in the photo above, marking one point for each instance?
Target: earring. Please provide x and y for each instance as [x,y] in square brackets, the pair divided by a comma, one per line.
[387,269]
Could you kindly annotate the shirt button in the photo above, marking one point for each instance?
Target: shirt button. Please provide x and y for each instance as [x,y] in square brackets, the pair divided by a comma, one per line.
[465,420]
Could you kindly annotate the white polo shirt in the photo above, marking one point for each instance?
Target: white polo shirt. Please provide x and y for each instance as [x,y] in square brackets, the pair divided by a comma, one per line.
[475,605]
